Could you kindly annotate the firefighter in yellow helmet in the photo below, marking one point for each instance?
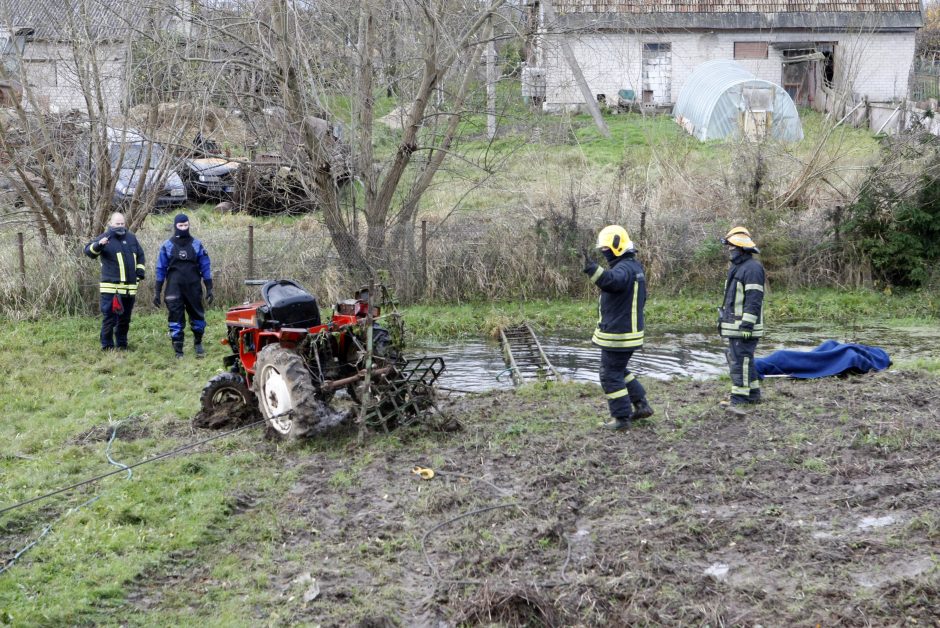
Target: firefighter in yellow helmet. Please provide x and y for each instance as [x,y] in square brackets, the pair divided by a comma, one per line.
[620,328]
[741,317]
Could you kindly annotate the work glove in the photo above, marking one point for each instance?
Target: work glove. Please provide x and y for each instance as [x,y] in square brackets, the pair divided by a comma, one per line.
[140,274]
[209,297]
[589,265]
[747,330]
[157,290]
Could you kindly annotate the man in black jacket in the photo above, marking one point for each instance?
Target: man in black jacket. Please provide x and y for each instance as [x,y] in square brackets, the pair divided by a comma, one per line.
[122,268]
[620,329]
[741,315]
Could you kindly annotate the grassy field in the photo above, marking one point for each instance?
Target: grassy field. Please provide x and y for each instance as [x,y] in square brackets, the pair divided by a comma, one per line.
[588,527]
[498,218]
[617,530]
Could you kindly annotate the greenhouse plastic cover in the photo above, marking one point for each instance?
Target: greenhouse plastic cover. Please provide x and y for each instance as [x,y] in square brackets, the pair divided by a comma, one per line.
[712,98]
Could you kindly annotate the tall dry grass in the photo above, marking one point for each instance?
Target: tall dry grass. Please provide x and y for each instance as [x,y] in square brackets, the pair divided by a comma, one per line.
[519,235]
[509,255]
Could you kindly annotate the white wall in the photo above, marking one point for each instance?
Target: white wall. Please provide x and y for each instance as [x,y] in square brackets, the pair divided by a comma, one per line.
[875,64]
[51,74]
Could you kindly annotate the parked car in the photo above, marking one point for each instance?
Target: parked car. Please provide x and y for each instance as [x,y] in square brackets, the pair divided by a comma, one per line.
[133,156]
[206,174]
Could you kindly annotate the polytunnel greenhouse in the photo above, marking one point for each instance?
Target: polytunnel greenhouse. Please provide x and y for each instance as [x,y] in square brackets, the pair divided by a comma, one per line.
[722,99]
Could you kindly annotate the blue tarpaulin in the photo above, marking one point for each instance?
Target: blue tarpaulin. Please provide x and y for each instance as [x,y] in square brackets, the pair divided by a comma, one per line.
[829,358]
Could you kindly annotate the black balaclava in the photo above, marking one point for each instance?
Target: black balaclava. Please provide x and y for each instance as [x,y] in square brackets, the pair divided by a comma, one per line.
[609,255]
[180,233]
[737,254]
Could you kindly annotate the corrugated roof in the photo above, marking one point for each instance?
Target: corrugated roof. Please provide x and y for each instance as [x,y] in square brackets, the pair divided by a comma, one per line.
[733,6]
[61,20]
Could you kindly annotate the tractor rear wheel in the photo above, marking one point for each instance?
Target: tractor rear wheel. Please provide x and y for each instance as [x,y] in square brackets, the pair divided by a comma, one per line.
[285,392]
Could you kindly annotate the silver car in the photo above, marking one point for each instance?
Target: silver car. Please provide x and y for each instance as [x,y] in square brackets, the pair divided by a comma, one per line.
[134,157]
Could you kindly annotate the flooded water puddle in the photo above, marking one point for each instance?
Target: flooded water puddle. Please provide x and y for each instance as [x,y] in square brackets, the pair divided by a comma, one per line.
[477,364]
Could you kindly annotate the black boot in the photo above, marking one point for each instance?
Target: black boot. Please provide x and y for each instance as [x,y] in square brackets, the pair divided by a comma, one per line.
[642,410]
[617,424]
[197,346]
[178,348]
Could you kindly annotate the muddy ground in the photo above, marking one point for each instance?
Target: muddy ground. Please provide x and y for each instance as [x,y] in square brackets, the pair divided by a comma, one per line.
[822,507]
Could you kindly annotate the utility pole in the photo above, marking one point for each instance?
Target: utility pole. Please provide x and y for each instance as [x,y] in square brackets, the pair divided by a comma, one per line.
[578,75]
[490,55]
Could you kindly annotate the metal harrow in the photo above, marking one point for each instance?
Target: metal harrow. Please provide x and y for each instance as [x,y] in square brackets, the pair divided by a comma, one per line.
[403,395]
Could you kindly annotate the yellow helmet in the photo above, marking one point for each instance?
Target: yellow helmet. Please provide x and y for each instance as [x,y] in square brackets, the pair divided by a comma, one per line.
[741,238]
[615,238]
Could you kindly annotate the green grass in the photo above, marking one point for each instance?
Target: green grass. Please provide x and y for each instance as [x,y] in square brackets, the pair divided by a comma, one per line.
[59,396]
[173,529]
[684,312]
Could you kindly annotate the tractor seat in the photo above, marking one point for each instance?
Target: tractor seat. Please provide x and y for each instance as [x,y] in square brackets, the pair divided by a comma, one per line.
[290,305]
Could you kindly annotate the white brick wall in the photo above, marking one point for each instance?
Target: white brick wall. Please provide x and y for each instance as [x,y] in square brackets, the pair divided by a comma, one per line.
[875,64]
[51,74]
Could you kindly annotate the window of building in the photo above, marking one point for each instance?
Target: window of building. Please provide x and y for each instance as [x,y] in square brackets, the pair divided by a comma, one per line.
[750,50]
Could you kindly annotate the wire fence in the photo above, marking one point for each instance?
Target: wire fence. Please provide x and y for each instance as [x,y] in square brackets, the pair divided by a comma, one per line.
[925,79]
[460,260]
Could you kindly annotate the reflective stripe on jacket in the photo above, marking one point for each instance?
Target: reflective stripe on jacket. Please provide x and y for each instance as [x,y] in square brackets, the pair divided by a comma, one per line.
[120,259]
[620,308]
[744,298]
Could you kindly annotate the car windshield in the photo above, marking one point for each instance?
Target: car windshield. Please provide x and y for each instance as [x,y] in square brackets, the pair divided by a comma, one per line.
[135,155]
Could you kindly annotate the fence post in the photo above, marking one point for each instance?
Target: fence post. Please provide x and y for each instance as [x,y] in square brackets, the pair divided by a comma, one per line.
[19,246]
[643,226]
[424,258]
[251,252]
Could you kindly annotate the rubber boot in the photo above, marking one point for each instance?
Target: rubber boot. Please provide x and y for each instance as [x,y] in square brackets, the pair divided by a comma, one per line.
[197,346]
[642,410]
[617,424]
[178,348]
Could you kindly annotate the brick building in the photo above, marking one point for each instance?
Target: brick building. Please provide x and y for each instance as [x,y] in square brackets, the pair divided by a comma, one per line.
[50,46]
[819,52]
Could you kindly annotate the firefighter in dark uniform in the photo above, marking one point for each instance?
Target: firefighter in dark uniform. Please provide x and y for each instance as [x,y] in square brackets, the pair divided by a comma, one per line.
[741,315]
[183,265]
[122,268]
[620,328]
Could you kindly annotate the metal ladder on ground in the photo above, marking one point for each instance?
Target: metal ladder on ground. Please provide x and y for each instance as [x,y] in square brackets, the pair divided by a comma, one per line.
[525,359]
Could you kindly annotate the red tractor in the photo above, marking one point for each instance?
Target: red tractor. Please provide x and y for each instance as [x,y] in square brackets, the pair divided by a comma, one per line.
[289,364]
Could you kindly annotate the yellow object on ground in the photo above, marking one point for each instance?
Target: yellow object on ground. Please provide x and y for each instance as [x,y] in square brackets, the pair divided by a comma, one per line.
[423,472]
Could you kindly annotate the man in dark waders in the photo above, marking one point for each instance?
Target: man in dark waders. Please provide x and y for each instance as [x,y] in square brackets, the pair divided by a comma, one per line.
[620,328]
[183,264]
[741,317]
[122,268]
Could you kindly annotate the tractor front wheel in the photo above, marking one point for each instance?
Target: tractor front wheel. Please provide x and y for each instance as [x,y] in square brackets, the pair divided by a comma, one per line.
[285,392]
[226,402]
[226,391]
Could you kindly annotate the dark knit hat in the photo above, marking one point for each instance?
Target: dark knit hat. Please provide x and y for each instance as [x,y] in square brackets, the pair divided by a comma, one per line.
[180,218]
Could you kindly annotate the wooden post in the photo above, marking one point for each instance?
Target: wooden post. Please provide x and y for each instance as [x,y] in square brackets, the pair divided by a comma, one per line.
[578,75]
[424,258]
[19,246]
[251,252]
[643,226]
[366,398]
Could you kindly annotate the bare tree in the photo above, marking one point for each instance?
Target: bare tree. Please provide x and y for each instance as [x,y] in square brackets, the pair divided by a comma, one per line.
[316,66]
[58,137]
